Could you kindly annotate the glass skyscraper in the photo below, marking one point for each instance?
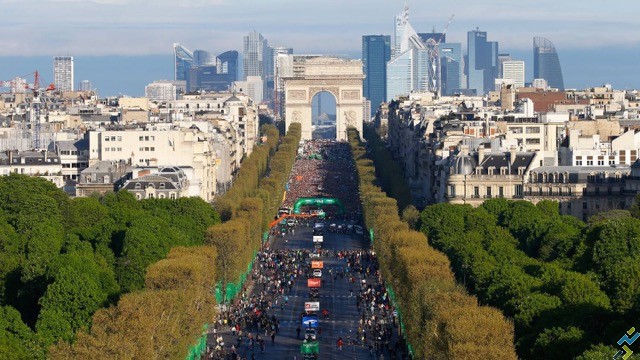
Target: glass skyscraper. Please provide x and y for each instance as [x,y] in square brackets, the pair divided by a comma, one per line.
[451,68]
[482,64]
[182,61]
[376,51]
[546,64]
[255,52]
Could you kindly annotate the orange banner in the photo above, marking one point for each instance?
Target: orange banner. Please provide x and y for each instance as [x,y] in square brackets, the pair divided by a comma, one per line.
[317,264]
[314,283]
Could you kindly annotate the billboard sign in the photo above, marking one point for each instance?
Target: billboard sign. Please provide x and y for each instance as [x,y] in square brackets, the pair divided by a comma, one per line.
[317,239]
[312,306]
[317,264]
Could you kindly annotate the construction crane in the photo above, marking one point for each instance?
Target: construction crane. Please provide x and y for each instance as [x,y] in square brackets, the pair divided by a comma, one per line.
[435,72]
[36,107]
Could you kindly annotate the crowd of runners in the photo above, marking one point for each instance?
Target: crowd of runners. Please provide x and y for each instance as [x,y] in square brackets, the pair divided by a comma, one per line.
[251,326]
[324,168]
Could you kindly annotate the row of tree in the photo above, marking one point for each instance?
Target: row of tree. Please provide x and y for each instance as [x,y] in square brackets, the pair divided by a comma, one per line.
[441,320]
[251,204]
[62,259]
[176,299]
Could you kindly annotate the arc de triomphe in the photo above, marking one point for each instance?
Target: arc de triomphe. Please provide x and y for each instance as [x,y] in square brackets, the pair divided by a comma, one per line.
[311,75]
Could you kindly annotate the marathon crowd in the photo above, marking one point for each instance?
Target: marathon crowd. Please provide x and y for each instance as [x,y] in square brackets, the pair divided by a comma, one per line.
[324,175]
[251,321]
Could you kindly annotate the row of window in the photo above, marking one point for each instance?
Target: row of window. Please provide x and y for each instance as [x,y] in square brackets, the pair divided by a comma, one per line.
[82,165]
[113,149]
[67,152]
[147,148]
[172,196]
[599,162]
[489,191]
[113,138]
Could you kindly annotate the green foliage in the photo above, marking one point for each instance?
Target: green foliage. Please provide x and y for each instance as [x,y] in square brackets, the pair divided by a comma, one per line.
[440,319]
[519,257]
[17,340]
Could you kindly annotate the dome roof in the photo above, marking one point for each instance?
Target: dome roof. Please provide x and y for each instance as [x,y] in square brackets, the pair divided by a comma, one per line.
[463,164]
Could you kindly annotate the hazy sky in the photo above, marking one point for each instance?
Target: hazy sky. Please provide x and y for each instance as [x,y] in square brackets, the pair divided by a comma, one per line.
[140,27]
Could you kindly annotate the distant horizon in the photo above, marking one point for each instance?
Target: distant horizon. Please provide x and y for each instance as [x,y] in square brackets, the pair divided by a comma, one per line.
[113,75]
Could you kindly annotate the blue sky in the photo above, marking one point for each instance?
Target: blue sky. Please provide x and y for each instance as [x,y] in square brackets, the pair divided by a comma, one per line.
[585,31]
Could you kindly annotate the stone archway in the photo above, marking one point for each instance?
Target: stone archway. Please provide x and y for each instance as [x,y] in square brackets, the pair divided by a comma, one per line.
[311,75]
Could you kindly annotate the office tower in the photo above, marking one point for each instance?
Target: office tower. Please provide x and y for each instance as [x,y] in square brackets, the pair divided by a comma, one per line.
[546,64]
[270,83]
[501,59]
[482,65]
[252,87]
[254,54]
[401,74]
[219,75]
[85,85]
[408,69]
[63,73]
[451,68]
[227,63]
[203,58]
[182,61]
[513,70]
[376,51]
[434,37]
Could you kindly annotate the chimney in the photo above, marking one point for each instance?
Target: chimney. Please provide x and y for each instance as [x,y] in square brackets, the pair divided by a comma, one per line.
[480,153]
[512,154]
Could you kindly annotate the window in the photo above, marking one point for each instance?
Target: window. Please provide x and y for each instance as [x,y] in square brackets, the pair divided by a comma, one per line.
[153,138]
[550,191]
[532,130]
[589,162]
[488,192]
[173,196]
[119,138]
[518,191]
[584,205]
[476,191]
[106,138]
[452,191]
[152,148]
[600,162]
[150,196]
[106,149]
[140,138]
[569,206]
[138,186]
[146,138]
[534,141]
[501,192]
[578,162]
[516,130]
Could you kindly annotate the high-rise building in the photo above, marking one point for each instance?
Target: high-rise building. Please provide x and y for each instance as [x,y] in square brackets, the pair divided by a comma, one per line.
[434,37]
[271,91]
[254,54]
[182,61]
[219,75]
[546,64]
[501,59]
[85,85]
[513,70]
[63,73]
[482,64]
[408,68]
[451,68]
[376,51]
[203,58]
